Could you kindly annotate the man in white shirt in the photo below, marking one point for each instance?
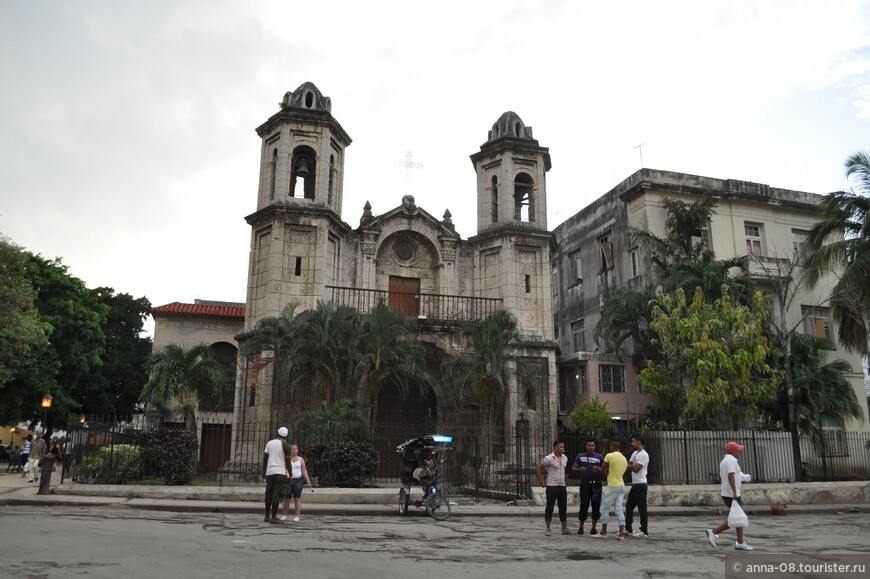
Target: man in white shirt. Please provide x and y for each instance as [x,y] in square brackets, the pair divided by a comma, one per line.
[732,478]
[275,472]
[555,463]
[638,464]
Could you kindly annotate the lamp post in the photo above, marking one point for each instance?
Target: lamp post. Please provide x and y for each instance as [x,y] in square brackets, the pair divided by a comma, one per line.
[46,404]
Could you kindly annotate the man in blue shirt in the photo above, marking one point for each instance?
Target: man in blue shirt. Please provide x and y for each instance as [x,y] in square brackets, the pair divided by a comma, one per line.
[588,466]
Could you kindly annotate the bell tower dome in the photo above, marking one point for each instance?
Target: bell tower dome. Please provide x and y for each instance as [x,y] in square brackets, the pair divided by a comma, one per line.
[511,176]
[302,156]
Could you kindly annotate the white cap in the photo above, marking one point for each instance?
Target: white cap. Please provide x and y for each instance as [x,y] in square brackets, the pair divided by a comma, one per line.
[283,431]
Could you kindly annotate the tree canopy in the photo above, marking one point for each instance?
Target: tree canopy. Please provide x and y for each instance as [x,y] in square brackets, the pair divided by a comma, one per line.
[713,370]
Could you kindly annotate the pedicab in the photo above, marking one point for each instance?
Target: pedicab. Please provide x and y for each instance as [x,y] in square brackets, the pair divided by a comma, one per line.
[422,459]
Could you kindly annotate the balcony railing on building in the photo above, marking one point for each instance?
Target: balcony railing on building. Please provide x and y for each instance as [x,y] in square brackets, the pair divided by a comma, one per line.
[439,307]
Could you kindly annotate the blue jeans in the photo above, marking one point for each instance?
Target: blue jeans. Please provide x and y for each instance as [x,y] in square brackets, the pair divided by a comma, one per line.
[612,496]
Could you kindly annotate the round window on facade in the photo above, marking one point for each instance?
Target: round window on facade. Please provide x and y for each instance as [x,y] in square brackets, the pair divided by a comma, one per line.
[404,250]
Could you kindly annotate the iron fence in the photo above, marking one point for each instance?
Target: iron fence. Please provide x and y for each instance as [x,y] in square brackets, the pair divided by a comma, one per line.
[495,462]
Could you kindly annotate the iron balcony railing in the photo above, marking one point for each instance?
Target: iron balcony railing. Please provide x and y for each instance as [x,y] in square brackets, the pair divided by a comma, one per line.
[439,307]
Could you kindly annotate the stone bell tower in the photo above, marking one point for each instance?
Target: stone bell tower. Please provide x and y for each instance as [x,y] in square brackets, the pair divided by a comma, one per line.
[297,232]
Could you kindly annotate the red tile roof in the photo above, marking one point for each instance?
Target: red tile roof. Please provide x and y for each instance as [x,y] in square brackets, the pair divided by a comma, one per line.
[180,310]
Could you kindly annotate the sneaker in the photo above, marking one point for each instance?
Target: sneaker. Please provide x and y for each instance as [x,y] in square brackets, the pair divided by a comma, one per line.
[711,537]
[620,537]
[637,535]
[547,532]
[580,531]
[599,536]
[565,531]
[593,532]
[266,520]
[295,519]
[283,518]
[742,547]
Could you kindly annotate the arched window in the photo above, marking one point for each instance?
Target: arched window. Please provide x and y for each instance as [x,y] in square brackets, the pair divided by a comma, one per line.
[524,206]
[494,199]
[303,171]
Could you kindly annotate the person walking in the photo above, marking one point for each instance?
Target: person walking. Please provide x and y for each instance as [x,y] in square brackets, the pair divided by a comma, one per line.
[275,466]
[614,467]
[638,464]
[38,449]
[556,463]
[298,474]
[25,455]
[732,478]
[588,466]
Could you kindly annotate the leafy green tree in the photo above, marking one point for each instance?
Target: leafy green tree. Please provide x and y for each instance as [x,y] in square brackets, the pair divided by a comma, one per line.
[116,386]
[181,376]
[73,319]
[713,370]
[840,243]
[21,331]
[592,418]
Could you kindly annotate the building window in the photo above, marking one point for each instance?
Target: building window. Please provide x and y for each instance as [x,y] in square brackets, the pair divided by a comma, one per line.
[578,334]
[576,265]
[606,246]
[556,326]
[701,238]
[753,239]
[835,438]
[635,262]
[573,381]
[611,378]
[816,322]
[799,242]
[554,280]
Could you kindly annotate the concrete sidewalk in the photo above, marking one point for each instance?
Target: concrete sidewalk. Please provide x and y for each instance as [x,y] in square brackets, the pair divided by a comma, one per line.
[16,491]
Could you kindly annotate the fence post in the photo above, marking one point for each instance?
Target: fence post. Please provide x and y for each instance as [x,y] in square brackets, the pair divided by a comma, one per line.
[523,458]
[686,455]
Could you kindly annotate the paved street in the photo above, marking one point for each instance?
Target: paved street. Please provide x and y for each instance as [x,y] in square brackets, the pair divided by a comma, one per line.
[117,542]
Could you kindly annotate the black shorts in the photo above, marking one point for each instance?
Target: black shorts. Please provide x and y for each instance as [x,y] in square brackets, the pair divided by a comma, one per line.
[729,500]
[294,488]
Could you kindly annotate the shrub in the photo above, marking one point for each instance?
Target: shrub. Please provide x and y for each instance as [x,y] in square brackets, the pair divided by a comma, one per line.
[343,464]
[170,453]
[113,464]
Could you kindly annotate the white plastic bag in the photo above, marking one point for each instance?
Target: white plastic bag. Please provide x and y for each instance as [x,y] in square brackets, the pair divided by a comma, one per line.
[736,517]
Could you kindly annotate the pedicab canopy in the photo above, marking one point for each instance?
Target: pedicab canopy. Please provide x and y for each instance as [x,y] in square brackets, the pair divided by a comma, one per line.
[434,441]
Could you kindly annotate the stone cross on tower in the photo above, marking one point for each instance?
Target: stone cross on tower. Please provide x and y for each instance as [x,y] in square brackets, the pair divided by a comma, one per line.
[409,166]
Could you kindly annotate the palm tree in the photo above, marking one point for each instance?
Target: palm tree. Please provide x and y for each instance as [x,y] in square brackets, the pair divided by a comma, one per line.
[846,220]
[482,372]
[683,227]
[822,388]
[626,317]
[386,352]
[330,418]
[711,275]
[183,375]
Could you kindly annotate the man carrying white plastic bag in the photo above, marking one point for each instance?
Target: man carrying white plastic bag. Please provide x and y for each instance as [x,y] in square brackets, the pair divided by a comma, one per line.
[732,478]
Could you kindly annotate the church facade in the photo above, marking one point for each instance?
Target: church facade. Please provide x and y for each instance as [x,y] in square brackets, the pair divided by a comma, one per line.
[302,251]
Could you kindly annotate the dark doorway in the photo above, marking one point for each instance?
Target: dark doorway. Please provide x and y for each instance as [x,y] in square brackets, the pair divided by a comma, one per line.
[215,446]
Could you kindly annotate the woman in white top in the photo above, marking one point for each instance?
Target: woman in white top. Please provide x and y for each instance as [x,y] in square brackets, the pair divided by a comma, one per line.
[298,474]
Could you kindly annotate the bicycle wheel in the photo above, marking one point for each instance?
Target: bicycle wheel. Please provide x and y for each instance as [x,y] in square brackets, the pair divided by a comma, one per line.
[404,500]
[438,506]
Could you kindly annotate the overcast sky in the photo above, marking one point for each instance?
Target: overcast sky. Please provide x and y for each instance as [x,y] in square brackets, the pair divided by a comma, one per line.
[127,142]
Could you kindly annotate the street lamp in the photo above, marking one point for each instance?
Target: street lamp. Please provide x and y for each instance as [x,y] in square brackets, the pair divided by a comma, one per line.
[46,404]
